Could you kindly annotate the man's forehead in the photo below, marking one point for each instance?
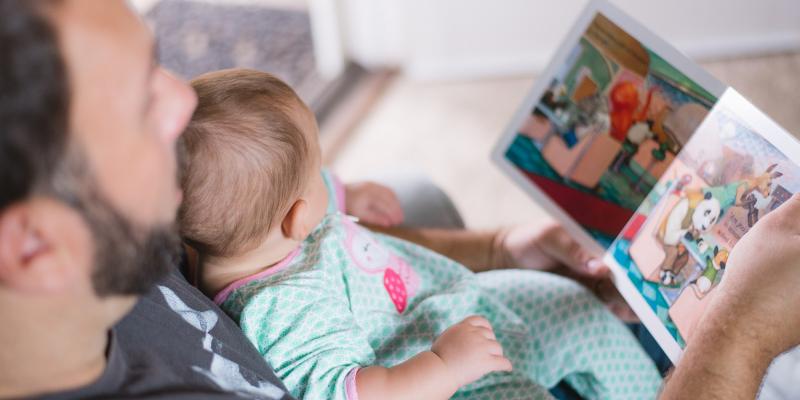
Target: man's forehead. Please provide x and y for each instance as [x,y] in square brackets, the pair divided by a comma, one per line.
[102,29]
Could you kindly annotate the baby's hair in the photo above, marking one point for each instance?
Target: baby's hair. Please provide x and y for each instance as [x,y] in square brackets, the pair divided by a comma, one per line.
[244,159]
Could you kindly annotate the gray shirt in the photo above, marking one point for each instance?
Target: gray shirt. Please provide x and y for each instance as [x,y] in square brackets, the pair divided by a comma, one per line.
[176,344]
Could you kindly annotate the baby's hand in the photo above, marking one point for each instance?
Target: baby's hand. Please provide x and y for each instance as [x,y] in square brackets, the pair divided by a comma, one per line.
[373,203]
[470,350]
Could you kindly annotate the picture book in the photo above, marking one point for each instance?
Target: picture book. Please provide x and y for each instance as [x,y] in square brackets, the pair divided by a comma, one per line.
[649,162]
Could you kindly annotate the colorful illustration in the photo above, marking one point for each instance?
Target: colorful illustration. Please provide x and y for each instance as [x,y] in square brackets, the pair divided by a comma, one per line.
[675,249]
[399,278]
[611,121]
[650,162]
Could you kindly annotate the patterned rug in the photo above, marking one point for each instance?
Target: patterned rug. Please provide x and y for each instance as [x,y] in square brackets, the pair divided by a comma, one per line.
[195,37]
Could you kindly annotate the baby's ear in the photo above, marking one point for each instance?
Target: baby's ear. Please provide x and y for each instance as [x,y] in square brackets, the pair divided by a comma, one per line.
[295,225]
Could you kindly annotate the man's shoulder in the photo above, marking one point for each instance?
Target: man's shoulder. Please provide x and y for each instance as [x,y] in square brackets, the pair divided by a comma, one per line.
[176,343]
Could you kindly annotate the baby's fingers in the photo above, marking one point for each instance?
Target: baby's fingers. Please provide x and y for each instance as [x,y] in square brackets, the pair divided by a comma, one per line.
[477,320]
[494,348]
[488,333]
[500,363]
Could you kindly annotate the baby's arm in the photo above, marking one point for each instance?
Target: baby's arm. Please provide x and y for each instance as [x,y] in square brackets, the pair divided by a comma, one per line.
[462,354]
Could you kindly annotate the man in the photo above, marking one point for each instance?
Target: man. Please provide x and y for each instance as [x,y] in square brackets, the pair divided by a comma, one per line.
[88,123]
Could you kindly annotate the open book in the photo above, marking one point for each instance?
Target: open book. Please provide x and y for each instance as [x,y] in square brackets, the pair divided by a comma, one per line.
[649,162]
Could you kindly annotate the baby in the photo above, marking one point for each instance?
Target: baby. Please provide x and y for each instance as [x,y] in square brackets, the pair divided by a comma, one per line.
[341,312]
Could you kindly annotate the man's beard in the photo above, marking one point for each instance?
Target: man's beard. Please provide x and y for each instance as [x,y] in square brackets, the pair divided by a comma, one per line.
[128,259]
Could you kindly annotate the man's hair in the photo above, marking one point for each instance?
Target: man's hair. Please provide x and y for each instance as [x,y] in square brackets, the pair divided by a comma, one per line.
[244,160]
[37,156]
[34,101]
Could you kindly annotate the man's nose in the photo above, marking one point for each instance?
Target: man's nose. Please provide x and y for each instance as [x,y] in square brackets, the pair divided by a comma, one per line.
[179,105]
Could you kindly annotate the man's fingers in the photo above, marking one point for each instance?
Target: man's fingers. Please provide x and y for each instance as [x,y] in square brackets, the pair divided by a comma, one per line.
[608,294]
[623,311]
[393,211]
[596,268]
[788,211]
[374,217]
[388,206]
[379,212]
[566,250]
[391,205]
[374,203]
[794,203]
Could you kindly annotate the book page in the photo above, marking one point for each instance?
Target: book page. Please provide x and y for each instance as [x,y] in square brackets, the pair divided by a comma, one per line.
[603,123]
[737,167]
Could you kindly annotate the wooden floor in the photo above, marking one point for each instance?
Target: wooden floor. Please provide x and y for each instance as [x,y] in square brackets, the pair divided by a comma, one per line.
[446,131]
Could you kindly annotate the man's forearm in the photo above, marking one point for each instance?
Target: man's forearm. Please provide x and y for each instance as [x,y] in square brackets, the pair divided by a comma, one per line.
[477,250]
[721,362]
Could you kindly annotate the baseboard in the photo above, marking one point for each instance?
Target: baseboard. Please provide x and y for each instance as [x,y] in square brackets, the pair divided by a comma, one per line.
[504,65]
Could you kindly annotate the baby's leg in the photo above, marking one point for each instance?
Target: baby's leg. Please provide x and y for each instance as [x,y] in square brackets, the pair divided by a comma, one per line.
[572,336]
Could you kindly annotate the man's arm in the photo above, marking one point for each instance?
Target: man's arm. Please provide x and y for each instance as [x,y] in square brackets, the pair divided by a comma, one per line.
[477,250]
[722,361]
[545,248]
[751,319]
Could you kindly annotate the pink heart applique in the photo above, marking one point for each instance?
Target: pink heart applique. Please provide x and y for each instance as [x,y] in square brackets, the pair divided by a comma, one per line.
[396,288]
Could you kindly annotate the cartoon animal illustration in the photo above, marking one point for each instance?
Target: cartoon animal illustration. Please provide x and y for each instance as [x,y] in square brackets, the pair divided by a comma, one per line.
[625,110]
[705,282]
[552,99]
[399,279]
[588,116]
[749,203]
[761,183]
[746,188]
[694,214]
[670,270]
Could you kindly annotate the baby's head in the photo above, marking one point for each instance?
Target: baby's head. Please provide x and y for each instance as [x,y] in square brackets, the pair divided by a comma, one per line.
[250,166]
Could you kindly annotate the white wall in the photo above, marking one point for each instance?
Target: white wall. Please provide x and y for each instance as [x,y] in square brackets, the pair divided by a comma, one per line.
[453,39]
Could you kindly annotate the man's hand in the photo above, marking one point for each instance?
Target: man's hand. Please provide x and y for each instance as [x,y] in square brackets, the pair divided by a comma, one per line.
[551,248]
[752,317]
[373,204]
[761,285]
[547,248]
[470,350]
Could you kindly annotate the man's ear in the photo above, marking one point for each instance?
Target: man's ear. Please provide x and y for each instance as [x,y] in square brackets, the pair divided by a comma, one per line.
[33,257]
[295,226]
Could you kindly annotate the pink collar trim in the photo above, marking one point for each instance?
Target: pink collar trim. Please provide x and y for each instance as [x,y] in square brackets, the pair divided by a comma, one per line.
[223,295]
